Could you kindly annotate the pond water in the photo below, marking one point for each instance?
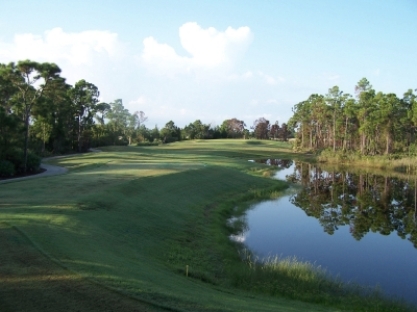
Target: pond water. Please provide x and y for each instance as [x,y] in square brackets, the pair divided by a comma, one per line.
[358,226]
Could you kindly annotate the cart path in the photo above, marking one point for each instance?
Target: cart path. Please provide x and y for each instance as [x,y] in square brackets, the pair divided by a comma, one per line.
[50,170]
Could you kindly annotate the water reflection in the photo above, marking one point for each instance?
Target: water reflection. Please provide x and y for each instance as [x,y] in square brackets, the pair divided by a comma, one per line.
[358,225]
[363,201]
[279,163]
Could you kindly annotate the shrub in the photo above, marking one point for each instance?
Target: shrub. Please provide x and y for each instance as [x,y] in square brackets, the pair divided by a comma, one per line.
[6,169]
[33,162]
[16,157]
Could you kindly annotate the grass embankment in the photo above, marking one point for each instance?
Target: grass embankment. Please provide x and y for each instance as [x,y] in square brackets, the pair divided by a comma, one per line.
[117,231]
[402,163]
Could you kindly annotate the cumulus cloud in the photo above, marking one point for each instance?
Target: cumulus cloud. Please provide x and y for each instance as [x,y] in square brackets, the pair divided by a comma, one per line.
[80,55]
[207,49]
[56,45]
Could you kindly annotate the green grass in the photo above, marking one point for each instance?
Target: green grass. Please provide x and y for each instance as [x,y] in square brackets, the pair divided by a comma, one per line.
[399,162]
[122,225]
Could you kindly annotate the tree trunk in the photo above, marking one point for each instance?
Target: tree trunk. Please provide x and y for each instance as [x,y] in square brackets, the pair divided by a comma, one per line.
[334,132]
[388,139]
[79,135]
[25,150]
[345,136]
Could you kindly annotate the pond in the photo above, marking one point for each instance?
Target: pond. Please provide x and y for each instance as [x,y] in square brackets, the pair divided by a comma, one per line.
[358,226]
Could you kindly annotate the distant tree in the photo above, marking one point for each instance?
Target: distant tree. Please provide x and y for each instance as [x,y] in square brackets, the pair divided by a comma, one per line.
[261,128]
[335,100]
[275,130]
[284,132]
[154,134]
[84,96]
[365,95]
[197,130]
[300,121]
[410,104]
[170,132]
[233,128]
[119,119]
[101,109]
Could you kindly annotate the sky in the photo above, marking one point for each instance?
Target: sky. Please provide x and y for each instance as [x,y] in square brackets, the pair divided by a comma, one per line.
[213,60]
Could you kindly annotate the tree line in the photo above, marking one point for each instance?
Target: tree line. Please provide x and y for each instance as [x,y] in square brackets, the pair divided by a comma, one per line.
[41,114]
[369,123]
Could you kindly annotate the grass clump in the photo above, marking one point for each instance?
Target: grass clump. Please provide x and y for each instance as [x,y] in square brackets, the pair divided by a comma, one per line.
[294,279]
[399,162]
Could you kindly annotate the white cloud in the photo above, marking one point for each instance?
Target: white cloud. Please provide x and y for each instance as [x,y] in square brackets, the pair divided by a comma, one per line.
[216,84]
[270,79]
[56,45]
[208,49]
[81,55]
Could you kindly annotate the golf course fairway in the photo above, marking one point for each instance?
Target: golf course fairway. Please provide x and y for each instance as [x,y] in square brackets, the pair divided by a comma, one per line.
[116,232]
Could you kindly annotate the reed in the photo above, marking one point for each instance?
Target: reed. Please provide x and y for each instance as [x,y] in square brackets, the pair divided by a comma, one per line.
[300,280]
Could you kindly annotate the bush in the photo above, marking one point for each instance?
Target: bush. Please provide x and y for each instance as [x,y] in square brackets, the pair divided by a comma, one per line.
[6,169]
[33,162]
[16,157]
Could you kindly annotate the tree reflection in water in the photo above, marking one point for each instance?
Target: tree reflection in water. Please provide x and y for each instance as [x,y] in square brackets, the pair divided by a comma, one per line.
[364,201]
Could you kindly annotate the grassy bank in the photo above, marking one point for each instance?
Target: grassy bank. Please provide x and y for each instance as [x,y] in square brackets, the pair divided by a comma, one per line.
[122,225]
[403,163]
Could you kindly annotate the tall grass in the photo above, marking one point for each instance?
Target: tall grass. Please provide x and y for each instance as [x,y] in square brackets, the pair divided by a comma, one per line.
[398,162]
[291,278]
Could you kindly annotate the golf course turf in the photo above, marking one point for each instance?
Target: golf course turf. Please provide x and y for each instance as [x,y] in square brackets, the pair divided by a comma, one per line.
[116,232]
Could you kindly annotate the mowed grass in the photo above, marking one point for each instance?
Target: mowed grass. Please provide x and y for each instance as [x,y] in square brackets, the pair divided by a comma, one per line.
[116,232]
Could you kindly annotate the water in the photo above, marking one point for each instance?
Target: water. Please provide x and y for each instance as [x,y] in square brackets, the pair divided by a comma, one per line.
[358,226]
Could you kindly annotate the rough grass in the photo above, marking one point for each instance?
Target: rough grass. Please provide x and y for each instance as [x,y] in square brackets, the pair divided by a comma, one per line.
[121,226]
[403,163]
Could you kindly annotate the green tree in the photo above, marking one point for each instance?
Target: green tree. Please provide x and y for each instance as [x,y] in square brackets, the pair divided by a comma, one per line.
[261,128]
[119,119]
[275,130]
[155,135]
[232,128]
[410,104]
[335,100]
[388,117]
[170,132]
[300,121]
[31,79]
[365,95]
[84,96]
[10,132]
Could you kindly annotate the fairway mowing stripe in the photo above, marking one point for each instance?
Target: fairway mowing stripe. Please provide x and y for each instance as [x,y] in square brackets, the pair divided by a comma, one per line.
[87,279]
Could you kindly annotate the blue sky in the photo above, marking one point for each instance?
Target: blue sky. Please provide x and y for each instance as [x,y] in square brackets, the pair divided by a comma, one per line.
[214,60]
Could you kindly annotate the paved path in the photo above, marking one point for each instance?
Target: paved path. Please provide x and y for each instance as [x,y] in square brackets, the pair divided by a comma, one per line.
[50,171]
